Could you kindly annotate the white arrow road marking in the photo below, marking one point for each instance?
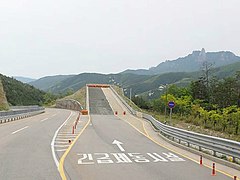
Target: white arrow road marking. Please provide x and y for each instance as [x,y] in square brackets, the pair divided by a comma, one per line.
[20,130]
[119,145]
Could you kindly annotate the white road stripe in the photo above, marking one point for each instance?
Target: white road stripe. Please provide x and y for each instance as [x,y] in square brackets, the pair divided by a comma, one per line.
[66,136]
[53,141]
[61,145]
[61,150]
[61,142]
[44,119]
[62,134]
[64,139]
[20,130]
[53,115]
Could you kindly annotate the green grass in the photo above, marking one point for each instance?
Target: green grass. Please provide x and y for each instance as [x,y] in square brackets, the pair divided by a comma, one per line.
[120,92]
[79,96]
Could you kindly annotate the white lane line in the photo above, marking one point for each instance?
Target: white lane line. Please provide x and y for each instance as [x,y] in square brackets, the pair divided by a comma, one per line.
[61,145]
[62,134]
[20,130]
[61,142]
[63,139]
[53,140]
[44,119]
[66,136]
[61,150]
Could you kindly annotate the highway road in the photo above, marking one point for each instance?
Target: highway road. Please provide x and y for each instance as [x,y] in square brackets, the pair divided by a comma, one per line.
[104,146]
[25,146]
[109,148]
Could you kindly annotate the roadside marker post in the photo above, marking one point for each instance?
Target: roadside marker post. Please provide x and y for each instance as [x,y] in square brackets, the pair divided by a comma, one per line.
[201,160]
[124,112]
[73,130]
[75,125]
[235,178]
[214,170]
[116,113]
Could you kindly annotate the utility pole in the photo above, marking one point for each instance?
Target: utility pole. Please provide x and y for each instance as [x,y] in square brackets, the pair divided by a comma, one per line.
[166,99]
[130,93]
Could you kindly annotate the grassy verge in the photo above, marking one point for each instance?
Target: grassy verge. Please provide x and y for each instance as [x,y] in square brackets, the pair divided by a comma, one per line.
[79,96]
[120,92]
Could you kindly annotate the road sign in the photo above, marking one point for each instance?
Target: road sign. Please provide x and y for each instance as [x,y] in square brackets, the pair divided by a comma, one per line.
[171,104]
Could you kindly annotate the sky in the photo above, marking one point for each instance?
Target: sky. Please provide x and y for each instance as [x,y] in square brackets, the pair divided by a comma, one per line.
[48,37]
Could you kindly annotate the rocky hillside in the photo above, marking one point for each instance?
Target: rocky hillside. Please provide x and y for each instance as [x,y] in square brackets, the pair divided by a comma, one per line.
[3,99]
[192,62]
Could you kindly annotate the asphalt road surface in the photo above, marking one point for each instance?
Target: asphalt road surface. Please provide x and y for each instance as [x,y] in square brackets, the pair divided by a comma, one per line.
[101,146]
[109,148]
[25,146]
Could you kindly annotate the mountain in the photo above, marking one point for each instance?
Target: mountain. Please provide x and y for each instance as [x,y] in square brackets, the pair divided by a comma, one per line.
[24,79]
[76,82]
[47,82]
[192,62]
[21,94]
[139,83]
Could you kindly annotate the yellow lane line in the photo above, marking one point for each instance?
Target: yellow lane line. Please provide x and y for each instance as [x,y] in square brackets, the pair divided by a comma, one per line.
[144,129]
[170,149]
[61,163]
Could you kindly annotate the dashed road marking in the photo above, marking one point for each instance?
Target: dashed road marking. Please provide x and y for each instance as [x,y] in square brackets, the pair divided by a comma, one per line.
[64,139]
[53,115]
[61,145]
[20,129]
[44,119]
[61,150]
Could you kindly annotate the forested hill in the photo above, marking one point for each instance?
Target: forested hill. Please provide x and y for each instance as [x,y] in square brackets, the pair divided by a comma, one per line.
[18,93]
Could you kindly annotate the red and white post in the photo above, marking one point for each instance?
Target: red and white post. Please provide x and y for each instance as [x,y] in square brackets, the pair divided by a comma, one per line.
[214,170]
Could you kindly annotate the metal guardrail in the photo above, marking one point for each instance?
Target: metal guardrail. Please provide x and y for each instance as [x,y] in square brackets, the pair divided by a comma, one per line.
[7,116]
[130,109]
[215,144]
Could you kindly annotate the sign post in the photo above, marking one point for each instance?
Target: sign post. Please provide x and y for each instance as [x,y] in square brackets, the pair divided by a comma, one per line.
[171,105]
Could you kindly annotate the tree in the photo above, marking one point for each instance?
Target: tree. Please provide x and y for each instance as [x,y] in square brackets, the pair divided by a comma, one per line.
[140,102]
[199,90]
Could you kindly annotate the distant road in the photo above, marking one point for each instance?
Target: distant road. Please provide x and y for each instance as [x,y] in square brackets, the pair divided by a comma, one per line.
[25,147]
[111,149]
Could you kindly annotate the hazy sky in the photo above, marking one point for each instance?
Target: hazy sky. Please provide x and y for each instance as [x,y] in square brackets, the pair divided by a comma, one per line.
[47,37]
